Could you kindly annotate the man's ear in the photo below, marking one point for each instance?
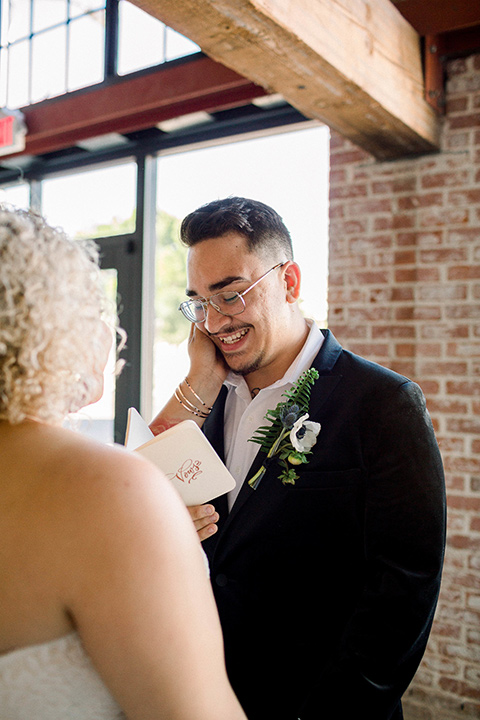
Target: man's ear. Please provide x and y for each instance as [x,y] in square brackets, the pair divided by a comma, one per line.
[292,277]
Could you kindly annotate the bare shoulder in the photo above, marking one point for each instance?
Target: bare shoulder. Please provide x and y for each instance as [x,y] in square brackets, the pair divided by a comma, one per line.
[91,486]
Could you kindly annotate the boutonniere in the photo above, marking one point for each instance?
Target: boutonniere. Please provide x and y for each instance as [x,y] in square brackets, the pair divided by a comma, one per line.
[291,436]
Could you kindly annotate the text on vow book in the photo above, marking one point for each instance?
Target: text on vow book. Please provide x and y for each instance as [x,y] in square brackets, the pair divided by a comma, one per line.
[185,455]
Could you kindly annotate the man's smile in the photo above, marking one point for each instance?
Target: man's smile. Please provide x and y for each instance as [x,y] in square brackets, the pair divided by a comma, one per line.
[234,338]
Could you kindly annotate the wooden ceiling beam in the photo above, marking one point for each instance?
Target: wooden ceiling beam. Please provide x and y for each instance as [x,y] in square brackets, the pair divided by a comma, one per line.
[352,64]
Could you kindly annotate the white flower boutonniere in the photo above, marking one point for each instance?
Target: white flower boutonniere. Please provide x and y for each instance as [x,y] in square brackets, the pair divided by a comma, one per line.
[291,436]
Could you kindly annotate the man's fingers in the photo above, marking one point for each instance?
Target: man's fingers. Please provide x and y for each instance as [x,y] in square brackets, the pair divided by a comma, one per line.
[204,518]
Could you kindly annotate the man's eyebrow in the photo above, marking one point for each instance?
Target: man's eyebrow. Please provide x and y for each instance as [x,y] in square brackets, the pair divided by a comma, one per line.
[214,287]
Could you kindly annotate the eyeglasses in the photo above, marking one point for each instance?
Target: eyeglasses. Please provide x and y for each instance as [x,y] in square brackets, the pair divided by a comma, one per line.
[228,302]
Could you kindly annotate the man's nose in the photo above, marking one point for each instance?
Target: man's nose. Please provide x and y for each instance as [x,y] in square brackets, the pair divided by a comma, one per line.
[213,319]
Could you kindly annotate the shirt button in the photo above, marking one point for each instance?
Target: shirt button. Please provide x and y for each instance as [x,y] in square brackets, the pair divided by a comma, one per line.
[221,580]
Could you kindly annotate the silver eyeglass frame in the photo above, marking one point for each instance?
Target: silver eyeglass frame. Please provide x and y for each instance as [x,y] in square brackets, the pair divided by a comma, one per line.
[205,302]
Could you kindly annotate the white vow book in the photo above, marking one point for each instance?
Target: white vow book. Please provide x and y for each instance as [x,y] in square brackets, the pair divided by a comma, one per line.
[185,455]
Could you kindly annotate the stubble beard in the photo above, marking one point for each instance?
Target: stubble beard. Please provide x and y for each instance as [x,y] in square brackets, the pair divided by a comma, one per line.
[249,368]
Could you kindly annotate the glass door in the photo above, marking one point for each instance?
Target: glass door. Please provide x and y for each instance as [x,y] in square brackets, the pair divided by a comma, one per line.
[101,203]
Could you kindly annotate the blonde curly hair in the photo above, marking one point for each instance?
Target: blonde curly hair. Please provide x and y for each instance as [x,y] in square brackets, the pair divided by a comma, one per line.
[52,308]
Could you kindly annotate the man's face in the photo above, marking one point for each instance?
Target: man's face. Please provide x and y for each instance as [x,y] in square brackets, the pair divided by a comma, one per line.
[256,338]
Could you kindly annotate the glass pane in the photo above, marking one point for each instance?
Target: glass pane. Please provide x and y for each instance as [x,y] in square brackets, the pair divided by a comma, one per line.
[3,77]
[47,13]
[94,203]
[4,18]
[290,174]
[85,67]
[178,45]
[134,24]
[80,7]
[48,64]
[19,20]
[97,420]
[18,72]
[17,195]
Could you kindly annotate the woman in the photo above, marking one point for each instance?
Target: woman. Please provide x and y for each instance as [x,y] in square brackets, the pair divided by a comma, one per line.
[105,604]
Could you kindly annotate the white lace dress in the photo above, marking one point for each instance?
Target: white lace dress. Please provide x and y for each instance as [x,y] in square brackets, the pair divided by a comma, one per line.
[54,681]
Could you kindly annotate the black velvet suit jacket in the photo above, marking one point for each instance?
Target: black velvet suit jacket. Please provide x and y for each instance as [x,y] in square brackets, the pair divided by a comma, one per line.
[326,590]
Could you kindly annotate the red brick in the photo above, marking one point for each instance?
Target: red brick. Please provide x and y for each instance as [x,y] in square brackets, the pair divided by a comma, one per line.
[464,197]
[443,256]
[347,191]
[462,312]
[403,368]
[463,272]
[465,465]
[444,368]
[443,216]
[455,407]
[451,444]
[445,331]
[470,120]
[405,349]
[461,689]
[475,525]
[369,350]
[417,275]
[336,141]
[463,387]
[456,105]
[430,387]
[401,294]
[338,176]
[445,179]
[459,425]
[463,235]
[405,257]
[418,313]
[346,157]
[464,542]
[394,221]
[441,293]
[395,185]
[412,202]
[369,278]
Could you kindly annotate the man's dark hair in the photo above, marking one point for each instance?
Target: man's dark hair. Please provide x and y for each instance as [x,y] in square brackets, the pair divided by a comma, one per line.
[263,228]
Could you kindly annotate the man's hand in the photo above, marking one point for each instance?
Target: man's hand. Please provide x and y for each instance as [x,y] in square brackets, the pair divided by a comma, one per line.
[205,356]
[204,518]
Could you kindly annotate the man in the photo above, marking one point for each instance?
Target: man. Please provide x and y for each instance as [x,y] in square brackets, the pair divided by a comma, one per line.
[326,585]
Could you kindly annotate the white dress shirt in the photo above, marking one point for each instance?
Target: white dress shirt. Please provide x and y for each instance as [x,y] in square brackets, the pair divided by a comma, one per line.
[244,415]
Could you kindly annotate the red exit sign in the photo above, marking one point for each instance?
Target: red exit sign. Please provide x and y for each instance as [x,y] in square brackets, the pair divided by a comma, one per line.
[6,131]
[12,132]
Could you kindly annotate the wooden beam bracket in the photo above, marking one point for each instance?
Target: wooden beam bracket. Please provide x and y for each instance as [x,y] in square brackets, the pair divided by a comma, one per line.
[434,73]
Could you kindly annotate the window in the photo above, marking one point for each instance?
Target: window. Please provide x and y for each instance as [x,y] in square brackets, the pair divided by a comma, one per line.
[93,203]
[18,195]
[50,47]
[159,43]
[289,172]
[43,46]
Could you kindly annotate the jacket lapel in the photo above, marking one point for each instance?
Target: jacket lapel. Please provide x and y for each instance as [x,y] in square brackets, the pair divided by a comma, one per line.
[213,428]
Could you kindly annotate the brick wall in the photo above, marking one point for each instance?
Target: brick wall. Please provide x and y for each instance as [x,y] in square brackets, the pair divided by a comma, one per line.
[404,290]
